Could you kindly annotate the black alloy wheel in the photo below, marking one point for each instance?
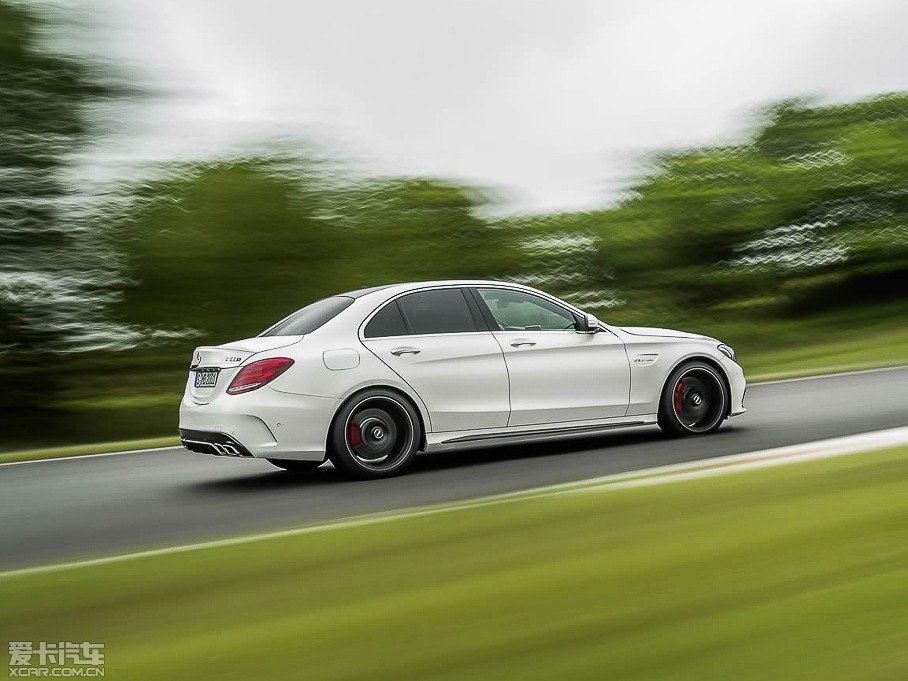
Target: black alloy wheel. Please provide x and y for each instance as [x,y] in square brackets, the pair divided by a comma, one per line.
[694,400]
[375,435]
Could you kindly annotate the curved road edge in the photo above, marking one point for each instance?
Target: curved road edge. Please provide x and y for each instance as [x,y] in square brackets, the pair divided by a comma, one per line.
[723,465]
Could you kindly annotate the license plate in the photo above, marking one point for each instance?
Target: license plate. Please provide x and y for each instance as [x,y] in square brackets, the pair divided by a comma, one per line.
[206,378]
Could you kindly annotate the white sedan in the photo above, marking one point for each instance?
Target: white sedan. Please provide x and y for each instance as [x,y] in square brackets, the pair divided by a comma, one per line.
[369,378]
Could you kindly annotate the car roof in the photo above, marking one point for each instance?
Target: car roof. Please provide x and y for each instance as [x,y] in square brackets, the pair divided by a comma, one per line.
[360,292]
[413,285]
[378,294]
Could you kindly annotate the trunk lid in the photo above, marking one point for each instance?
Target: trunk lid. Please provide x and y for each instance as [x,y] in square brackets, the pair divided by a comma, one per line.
[214,366]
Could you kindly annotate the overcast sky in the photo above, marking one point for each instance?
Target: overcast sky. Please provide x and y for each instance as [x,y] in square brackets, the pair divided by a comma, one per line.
[549,100]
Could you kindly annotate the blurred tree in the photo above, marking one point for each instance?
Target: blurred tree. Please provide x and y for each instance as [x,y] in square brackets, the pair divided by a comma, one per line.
[227,248]
[845,238]
[43,95]
[412,229]
[669,238]
[218,251]
[812,211]
[559,254]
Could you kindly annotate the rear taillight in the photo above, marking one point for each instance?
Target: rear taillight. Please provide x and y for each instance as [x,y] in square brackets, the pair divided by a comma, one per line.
[255,375]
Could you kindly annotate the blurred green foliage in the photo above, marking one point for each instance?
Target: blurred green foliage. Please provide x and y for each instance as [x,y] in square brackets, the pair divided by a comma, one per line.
[812,210]
[41,123]
[229,247]
[224,247]
[804,220]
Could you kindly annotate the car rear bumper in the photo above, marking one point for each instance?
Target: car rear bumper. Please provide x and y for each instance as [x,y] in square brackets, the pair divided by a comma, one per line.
[264,423]
[218,444]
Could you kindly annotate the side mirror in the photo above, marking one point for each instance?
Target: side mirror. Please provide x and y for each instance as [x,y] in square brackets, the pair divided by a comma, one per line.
[588,324]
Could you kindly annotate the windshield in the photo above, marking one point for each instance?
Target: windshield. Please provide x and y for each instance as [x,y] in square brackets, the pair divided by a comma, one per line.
[309,318]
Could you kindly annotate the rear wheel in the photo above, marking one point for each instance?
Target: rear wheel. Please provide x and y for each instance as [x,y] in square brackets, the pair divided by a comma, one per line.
[694,400]
[295,466]
[375,435]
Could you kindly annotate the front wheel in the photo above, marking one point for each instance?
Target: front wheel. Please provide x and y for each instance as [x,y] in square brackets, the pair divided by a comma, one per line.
[694,400]
[375,435]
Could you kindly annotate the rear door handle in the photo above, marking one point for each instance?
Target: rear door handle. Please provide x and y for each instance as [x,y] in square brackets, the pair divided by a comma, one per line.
[405,351]
[521,341]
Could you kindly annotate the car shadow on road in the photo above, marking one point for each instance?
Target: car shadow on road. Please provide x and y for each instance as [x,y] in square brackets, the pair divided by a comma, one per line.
[532,450]
[429,464]
[273,480]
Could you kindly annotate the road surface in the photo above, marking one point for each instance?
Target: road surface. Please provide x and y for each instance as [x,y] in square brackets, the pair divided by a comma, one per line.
[78,508]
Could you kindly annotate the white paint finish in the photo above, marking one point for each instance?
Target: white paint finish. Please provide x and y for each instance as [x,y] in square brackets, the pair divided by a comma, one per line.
[299,423]
[461,377]
[726,465]
[458,382]
[647,380]
[663,333]
[560,376]
[341,359]
[515,434]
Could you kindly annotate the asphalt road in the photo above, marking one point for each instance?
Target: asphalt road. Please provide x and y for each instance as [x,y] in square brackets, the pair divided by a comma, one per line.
[78,508]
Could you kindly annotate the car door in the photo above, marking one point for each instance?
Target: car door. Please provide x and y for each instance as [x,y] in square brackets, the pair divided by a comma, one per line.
[437,341]
[556,374]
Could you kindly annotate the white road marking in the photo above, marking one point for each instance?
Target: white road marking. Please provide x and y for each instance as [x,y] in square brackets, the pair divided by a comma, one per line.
[79,457]
[162,449]
[855,372]
[724,465]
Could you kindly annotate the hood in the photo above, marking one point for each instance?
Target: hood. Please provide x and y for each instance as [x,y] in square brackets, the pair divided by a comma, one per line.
[664,333]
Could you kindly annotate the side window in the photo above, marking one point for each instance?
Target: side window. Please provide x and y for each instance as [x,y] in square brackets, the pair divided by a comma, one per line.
[439,311]
[519,311]
[387,322]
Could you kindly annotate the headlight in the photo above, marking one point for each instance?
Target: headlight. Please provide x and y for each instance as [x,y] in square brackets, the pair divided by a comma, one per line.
[728,352]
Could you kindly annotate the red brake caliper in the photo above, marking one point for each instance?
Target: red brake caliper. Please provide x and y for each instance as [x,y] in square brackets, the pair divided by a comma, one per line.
[679,396]
[353,435]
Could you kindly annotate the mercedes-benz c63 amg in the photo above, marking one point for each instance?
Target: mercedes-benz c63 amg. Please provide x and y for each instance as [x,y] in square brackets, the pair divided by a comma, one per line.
[370,378]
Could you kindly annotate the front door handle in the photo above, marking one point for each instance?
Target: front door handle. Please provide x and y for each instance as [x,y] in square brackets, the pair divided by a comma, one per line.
[521,341]
[405,351]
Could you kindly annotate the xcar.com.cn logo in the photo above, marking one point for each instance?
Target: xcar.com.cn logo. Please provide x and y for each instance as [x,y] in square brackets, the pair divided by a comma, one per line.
[57,659]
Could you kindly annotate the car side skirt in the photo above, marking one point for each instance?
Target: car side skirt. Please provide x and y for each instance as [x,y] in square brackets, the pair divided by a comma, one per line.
[520,434]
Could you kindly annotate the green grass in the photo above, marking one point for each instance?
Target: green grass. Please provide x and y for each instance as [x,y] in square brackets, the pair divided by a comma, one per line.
[96,448]
[830,354]
[824,342]
[796,572]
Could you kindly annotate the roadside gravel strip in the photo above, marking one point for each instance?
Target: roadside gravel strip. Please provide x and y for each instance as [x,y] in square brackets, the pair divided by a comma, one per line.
[725,465]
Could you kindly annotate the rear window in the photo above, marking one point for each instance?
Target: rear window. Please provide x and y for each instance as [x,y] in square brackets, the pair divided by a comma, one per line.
[387,322]
[310,317]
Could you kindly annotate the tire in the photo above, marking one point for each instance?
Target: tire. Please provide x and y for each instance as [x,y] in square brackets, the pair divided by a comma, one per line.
[694,400]
[295,466]
[376,434]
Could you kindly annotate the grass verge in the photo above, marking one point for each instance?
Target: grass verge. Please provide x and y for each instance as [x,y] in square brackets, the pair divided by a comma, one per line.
[829,356]
[790,572]
[82,450]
